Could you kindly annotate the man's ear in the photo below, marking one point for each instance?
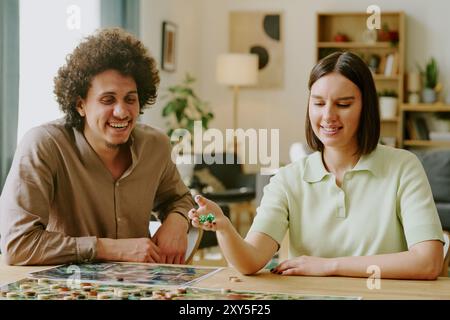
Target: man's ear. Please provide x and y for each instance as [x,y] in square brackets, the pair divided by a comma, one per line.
[80,107]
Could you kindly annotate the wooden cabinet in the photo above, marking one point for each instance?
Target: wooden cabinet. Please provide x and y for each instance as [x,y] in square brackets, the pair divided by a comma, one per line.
[351,32]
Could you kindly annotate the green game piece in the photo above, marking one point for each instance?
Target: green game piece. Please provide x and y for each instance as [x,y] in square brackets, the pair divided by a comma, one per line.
[210,217]
[202,219]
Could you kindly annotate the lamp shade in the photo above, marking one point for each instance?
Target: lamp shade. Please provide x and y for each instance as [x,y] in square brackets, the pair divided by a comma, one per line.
[237,69]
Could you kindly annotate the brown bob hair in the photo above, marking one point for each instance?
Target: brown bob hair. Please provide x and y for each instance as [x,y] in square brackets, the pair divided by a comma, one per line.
[108,49]
[353,68]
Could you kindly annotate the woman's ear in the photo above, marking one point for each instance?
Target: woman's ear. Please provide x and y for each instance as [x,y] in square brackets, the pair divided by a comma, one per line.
[80,107]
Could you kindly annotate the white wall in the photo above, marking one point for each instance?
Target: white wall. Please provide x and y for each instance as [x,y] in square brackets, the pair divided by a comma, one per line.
[203,35]
[185,14]
[45,40]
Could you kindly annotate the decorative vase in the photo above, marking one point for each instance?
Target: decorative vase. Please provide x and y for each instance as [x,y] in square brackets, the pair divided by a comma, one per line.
[413,98]
[388,107]
[428,95]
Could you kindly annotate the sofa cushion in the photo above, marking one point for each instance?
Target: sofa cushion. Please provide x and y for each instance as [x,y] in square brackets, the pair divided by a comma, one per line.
[444,214]
[437,167]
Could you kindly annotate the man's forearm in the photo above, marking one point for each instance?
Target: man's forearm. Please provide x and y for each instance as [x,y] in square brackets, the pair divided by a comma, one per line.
[180,217]
[105,250]
[41,247]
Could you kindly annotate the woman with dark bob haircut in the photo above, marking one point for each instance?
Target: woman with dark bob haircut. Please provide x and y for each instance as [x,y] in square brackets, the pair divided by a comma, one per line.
[353,206]
[83,188]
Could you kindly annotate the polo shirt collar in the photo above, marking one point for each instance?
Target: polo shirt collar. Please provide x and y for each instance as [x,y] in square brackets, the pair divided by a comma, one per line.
[315,170]
[371,162]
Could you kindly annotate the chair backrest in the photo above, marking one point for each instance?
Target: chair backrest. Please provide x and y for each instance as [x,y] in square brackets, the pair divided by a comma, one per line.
[444,272]
[228,172]
[194,238]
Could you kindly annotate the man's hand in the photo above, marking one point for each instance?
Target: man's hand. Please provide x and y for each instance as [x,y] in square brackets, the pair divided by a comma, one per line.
[130,250]
[305,266]
[171,238]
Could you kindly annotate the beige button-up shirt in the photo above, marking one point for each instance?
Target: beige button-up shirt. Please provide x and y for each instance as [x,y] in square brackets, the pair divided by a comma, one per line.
[59,197]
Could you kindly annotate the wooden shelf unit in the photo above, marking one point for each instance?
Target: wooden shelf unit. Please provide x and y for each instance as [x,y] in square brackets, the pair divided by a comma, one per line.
[426,143]
[405,110]
[353,24]
[331,44]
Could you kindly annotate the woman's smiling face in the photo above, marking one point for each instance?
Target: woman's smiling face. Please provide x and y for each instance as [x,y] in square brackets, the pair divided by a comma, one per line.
[335,106]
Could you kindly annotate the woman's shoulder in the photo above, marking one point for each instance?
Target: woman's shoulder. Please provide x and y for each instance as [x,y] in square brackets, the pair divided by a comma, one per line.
[394,160]
[293,170]
[387,153]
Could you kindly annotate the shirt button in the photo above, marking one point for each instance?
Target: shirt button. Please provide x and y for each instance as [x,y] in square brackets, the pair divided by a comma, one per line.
[117,184]
[118,219]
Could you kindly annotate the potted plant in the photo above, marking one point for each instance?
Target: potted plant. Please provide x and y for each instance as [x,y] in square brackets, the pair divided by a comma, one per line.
[341,37]
[430,76]
[387,35]
[388,104]
[183,107]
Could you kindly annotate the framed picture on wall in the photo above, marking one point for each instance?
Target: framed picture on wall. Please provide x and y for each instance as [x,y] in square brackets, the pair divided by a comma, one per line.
[168,50]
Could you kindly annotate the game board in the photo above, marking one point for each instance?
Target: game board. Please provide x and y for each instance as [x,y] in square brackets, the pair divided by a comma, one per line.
[128,273]
[46,289]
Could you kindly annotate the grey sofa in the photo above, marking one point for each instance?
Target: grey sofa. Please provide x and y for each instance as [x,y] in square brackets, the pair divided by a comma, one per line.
[437,167]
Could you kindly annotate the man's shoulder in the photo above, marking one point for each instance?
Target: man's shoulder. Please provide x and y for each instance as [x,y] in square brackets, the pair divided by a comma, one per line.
[45,139]
[50,131]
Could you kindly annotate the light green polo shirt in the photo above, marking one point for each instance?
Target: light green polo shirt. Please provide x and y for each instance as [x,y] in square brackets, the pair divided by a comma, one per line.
[384,205]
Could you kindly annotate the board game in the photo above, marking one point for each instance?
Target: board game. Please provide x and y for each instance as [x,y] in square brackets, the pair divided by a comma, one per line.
[128,273]
[46,289]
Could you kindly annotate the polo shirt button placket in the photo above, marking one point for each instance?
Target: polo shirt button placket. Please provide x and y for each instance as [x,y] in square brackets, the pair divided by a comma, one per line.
[341,212]
[341,205]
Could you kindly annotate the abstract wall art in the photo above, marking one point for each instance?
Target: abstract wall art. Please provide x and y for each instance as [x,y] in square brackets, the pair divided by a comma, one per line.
[260,33]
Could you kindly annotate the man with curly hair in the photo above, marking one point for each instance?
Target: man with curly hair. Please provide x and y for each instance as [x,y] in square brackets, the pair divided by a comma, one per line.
[83,188]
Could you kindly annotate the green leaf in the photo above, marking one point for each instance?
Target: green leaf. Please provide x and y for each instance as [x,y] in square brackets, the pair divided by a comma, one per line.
[179,98]
[168,109]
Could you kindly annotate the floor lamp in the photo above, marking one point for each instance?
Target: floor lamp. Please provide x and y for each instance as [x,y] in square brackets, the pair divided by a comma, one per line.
[237,70]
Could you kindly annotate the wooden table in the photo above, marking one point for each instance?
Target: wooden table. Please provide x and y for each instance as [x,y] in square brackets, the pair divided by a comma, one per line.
[265,281]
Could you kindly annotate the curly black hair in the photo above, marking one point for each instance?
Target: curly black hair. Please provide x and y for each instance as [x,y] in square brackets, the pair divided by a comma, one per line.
[108,49]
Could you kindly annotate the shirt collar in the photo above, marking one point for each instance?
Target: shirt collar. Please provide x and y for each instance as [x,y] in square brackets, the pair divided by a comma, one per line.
[372,162]
[91,159]
[315,170]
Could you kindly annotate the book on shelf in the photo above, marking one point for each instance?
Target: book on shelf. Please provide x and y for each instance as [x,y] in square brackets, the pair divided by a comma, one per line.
[391,64]
[422,128]
[411,129]
[439,136]
[417,128]
[382,64]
